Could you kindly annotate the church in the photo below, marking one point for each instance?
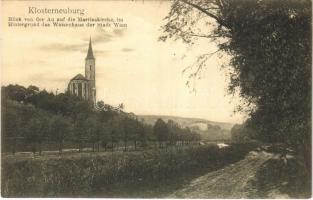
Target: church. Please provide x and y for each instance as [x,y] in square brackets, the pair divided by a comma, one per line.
[85,86]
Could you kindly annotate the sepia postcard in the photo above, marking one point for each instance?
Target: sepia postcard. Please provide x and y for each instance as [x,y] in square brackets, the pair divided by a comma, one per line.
[188,99]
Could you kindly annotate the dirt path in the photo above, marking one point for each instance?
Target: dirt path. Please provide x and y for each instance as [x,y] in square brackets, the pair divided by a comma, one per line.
[229,182]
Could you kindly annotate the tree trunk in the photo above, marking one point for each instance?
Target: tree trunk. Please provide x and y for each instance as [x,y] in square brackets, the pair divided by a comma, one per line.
[80,146]
[34,148]
[135,145]
[40,148]
[14,146]
[125,145]
[60,146]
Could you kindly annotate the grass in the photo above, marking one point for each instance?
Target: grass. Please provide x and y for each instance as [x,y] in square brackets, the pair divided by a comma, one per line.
[149,174]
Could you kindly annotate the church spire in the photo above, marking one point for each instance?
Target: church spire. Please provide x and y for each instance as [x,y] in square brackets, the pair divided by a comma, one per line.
[90,53]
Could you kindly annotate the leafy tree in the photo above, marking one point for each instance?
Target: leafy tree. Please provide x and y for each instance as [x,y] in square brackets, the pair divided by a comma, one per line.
[80,130]
[130,130]
[160,130]
[14,92]
[241,133]
[121,107]
[31,93]
[174,131]
[34,132]
[11,128]
[44,132]
[91,131]
[138,133]
[141,134]
[60,130]
[269,43]
[103,130]
[148,129]
[117,130]
[106,113]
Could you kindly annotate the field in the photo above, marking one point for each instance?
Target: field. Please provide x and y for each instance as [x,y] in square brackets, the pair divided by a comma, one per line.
[151,173]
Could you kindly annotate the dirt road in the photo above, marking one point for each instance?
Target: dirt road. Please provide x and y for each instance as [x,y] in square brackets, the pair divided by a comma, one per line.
[232,181]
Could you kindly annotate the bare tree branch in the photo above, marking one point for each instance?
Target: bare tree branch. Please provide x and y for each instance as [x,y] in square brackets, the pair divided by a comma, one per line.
[221,22]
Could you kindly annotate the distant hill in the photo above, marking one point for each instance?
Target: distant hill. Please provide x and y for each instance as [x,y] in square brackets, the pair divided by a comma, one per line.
[207,132]
[184,121]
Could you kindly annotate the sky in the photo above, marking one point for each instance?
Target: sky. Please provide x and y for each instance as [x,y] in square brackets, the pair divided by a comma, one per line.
[132,66]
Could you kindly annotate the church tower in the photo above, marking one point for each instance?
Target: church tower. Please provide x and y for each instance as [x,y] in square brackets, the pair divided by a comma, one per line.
[90,73]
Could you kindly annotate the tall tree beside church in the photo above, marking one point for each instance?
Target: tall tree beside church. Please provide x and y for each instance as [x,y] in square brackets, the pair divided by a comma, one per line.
[269,43]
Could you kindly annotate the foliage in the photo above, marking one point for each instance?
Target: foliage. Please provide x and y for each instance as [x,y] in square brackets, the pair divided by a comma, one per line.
[160,130]
[241,133]
[99,174]
[33,119]
[270,68]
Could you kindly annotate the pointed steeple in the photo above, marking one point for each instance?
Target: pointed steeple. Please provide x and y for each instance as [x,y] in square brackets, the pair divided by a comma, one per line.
[90,53]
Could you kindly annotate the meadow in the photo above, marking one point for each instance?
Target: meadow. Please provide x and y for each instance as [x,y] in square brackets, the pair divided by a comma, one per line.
[150,173]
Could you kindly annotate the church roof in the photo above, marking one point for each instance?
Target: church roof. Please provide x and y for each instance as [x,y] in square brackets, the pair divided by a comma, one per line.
[79,77]
[90,53]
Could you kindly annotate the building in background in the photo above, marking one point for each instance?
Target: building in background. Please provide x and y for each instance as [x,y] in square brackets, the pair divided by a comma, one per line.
[85,86]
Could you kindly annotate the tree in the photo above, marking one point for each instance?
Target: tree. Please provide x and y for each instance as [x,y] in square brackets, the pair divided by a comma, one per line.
[138,133]
[174,131]
[31,93]
[34,132]
[14,92]
[160,131]
[120,107]
[103,130]
[60,130]
[117,129]
[241,133]
[141,134]
[92,132]
[80,130]
[44,132]
[130,130]
[270,68]
[11,128]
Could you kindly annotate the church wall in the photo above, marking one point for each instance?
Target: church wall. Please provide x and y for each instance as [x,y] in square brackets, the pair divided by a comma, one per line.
[79,88]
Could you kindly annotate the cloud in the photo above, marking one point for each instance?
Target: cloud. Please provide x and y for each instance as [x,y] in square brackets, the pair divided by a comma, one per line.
[100,36]
[101,52]
[127,49]
[119,32]
[63,47]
